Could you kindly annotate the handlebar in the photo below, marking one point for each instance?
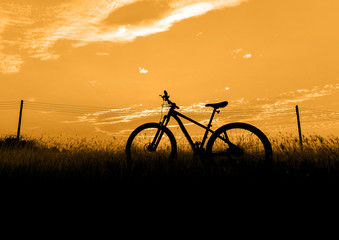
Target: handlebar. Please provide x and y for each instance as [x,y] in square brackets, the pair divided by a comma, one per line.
[165,97]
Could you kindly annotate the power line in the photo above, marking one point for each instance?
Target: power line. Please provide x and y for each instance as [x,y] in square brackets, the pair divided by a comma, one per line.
[77,112]
[76,109]
[53,110]
[9,104]
[9,101]
[102,112]
[320,110]
[83,107]
[81,111]
[57,105]
[66,108]
[8,108]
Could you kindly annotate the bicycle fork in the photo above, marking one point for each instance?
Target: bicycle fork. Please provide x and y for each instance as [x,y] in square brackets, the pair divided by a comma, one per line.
[153,146]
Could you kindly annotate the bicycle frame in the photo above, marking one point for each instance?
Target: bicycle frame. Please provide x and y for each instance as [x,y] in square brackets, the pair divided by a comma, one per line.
[234,150]
[196,147]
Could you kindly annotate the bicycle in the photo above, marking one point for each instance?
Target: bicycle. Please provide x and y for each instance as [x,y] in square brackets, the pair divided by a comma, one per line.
[234,141]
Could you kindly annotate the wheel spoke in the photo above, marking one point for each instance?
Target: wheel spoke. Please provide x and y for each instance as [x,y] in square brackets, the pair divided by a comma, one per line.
[239,141]
[143,146]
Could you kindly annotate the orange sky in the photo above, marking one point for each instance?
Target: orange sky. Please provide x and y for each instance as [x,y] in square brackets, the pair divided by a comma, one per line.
[257,54]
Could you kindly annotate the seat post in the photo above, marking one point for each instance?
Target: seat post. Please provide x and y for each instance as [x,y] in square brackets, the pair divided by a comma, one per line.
[208,127]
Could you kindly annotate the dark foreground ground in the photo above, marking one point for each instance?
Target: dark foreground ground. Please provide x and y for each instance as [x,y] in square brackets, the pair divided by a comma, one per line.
[49,176]
[159,187]
[81,191]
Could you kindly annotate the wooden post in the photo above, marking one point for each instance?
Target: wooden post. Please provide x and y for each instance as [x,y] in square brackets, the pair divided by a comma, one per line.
[20,115]
[299,128]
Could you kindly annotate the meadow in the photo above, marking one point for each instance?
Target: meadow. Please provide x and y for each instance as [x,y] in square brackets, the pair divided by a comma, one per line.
[91,160]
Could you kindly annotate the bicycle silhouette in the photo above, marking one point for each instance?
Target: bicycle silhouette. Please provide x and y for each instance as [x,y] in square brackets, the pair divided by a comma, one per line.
[233,141]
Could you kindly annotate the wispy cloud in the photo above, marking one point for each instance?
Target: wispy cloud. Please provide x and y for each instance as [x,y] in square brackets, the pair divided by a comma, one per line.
[31,30]
[13,17]
[277,111]
[178,11]
[241,53]
[143,70]
[301,95]
[102,54]
[248,55]
[10,63]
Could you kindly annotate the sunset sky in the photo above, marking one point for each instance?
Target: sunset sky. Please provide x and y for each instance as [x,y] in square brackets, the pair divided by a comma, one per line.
[263,56]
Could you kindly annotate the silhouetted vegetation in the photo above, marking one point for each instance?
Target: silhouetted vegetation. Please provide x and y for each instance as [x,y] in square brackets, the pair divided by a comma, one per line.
[90,160]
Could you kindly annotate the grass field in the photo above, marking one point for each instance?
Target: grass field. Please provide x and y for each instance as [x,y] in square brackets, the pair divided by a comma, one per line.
[92,160]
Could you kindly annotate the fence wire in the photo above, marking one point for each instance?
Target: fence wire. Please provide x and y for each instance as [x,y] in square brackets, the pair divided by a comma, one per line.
[272,116]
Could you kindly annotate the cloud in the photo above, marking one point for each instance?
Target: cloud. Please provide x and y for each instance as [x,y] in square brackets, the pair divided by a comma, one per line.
[285,100]
[138,12]
[179,11]
[10,63]
[102,54]
[241,53]
[199,34]
[31,30]
[11,17]
[267,112]
[247,56]
[302,95]
[142,70]
[46,56]
[127,33]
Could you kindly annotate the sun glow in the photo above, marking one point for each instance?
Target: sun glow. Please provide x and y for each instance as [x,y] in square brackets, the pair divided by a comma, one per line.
[118,53]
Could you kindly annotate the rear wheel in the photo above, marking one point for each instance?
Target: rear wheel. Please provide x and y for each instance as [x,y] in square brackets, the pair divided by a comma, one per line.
[241,146]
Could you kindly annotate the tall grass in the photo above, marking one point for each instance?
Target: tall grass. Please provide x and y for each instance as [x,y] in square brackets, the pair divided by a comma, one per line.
[90,159]
[317,159]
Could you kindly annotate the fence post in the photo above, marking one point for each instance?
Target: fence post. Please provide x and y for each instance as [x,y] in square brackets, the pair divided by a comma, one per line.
[20,115]
[299,128]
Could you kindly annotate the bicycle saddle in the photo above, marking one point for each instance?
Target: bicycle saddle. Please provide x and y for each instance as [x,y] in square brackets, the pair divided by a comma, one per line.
[217,105]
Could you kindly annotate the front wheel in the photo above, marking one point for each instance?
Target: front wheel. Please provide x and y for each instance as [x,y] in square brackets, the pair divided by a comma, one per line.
[240,145]
[150,142]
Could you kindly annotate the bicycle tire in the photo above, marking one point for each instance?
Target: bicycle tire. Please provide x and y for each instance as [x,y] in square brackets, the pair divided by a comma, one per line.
[261,143]
[142,153]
